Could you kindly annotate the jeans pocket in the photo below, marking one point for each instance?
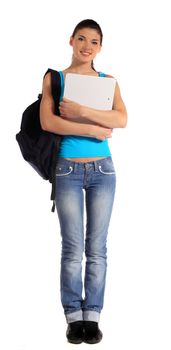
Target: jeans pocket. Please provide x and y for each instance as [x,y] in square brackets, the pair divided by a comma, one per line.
[63,170]
[107,168]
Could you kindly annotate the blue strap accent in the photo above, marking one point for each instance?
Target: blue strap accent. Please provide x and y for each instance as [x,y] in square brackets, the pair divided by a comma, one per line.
[62,85]
[101,74]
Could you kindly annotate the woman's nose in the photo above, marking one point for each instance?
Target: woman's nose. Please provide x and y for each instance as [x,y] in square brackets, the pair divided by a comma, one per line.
[87,46]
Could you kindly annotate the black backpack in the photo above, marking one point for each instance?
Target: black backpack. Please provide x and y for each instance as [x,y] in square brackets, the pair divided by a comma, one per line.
[38,147]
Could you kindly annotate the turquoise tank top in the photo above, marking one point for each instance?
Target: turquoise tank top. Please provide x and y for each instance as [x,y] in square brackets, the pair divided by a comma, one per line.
[72,146]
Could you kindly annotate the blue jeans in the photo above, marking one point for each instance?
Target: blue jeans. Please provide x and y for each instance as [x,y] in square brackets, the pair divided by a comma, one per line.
[95,182]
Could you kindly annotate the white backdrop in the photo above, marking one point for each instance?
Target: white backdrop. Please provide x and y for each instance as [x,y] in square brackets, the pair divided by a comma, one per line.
[136,51]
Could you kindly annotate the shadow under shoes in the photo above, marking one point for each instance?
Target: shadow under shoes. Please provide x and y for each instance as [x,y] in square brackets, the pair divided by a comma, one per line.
[92,333]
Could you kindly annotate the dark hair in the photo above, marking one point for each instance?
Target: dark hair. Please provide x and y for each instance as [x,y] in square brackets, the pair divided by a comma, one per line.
[89,23]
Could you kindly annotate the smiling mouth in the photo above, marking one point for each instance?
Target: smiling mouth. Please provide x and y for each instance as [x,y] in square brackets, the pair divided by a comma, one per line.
[85,53]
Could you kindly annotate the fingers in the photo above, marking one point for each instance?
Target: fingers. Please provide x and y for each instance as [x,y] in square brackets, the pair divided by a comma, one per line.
[63,105]
[61,110]
[66,99]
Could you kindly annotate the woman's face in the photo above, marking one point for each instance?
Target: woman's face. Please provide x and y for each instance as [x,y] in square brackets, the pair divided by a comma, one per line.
[86,44]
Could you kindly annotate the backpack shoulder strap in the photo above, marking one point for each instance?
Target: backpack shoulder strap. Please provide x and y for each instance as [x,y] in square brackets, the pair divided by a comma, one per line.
[56,87]
[56,93]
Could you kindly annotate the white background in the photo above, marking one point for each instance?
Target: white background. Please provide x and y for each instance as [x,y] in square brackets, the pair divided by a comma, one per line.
[137,310]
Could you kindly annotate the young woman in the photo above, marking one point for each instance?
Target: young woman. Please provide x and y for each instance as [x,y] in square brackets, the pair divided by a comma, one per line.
[84,170]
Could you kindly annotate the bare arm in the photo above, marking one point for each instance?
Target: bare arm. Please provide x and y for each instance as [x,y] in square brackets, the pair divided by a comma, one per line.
[116,118]
[50,122]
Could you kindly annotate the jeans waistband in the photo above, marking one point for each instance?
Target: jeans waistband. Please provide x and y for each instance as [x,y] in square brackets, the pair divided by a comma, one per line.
[82,165]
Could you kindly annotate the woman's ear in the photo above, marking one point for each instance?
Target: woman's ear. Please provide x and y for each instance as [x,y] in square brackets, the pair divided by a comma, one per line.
[71,40]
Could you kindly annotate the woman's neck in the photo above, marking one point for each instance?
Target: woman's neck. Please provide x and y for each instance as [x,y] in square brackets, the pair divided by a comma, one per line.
[84,68]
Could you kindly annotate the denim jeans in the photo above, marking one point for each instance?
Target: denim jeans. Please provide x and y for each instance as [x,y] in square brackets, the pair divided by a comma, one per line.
[84,188]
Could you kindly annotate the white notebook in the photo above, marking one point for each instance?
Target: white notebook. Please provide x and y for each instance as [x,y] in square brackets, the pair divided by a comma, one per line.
[90,91]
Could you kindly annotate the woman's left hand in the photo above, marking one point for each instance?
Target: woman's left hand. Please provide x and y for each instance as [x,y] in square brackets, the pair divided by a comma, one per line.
[70,109]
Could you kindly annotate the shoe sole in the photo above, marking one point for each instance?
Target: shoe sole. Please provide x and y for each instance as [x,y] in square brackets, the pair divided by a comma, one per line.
[92,341]
[76,341]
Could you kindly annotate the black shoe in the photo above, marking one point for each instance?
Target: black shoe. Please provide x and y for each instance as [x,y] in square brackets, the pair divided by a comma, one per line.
[92,333]
[75,332]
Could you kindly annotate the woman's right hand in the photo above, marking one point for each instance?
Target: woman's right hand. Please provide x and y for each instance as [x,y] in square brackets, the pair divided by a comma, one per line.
[100,133]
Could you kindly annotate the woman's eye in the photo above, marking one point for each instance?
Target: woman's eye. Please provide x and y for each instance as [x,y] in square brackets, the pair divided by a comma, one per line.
[81,39]
[94,42]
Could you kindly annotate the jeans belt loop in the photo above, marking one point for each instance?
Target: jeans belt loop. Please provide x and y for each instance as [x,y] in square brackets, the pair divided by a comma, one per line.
[75,166]
[96,165]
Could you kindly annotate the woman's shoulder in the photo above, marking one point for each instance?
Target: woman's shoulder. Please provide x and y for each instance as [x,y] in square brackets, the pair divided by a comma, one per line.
[110,76]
